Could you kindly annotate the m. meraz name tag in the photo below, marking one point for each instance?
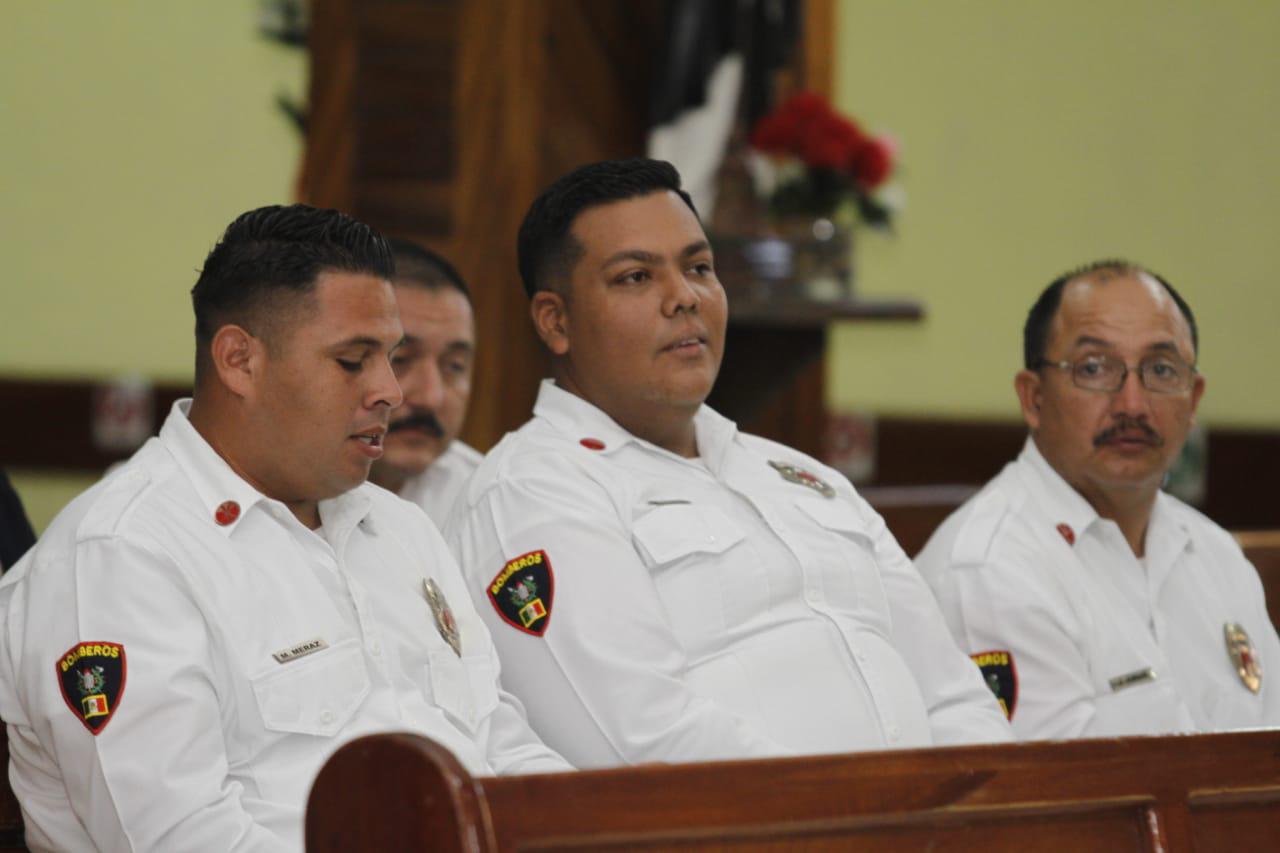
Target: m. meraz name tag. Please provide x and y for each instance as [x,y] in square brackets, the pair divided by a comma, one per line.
[299,651]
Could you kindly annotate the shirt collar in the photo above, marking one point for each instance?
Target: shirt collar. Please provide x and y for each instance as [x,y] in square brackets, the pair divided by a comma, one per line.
[1054,496]
[219,487]
[583,421]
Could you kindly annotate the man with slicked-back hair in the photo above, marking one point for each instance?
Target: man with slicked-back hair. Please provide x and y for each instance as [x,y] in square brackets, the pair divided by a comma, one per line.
[196,634]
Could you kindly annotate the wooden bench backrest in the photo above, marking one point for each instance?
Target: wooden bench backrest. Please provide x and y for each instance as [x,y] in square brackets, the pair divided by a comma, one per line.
[1204,792]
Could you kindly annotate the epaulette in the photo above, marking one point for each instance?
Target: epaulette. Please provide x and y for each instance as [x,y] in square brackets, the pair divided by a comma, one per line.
[978,530]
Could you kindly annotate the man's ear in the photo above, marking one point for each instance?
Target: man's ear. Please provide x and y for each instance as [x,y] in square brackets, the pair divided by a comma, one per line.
[1027,384]
[237,358]
[551,320]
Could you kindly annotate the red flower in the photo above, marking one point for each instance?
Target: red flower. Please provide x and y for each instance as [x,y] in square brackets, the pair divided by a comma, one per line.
[872,163]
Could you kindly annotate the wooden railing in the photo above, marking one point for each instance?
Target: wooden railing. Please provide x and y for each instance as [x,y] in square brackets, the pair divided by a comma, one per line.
[1202,792]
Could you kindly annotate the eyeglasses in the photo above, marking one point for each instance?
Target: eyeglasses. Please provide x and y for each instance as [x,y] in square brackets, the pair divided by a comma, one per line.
[1161,374]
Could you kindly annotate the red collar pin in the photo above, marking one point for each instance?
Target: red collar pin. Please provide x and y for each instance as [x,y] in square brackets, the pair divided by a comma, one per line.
[1067,533]
[226,513]
[592,443]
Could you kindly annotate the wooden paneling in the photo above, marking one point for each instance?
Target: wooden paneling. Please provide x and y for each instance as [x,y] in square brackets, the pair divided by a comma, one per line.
[1147,794]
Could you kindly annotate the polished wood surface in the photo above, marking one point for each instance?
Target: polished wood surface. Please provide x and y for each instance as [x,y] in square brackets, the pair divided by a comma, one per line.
[1205,792]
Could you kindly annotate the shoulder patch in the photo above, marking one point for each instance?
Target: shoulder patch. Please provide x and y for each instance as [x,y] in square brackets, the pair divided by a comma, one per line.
[91,676]
[522,592]
[1001,676]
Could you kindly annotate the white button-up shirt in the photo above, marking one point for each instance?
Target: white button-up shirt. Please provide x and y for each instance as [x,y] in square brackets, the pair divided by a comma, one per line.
[1103,643]
[439,487]
[707,608]
[252,650]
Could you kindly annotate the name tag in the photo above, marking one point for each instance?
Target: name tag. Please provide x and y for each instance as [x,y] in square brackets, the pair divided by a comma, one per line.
[299,651]
[1141,676]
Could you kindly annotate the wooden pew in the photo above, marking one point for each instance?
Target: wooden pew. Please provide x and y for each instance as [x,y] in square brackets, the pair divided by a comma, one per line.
[1262,547]
[1204,792]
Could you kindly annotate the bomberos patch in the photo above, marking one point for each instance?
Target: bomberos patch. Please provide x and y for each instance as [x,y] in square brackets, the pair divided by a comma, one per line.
[522,592]
[92,676]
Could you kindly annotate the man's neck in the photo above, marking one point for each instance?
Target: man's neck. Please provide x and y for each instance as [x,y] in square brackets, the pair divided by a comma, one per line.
[391,479]
[671,429]
[1130,509]
[218,434]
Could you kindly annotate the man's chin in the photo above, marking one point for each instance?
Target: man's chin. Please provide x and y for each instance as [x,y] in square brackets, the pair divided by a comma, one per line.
[401,462]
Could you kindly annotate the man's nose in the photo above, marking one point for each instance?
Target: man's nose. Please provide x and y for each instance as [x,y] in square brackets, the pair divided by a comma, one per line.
[424,386]
[386,389]
[1133,398]
[681,295]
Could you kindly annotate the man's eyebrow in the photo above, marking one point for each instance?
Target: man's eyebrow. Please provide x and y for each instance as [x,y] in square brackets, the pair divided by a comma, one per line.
[365,341]
[631,255]
[464,346]
[1087,340]
[695,249]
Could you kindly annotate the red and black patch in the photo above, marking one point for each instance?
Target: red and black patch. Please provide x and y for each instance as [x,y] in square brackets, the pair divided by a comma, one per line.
[1001,676]
[522,592]
[92,677]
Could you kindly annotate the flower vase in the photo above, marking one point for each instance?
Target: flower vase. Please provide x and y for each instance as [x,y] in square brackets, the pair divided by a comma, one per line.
[821,257]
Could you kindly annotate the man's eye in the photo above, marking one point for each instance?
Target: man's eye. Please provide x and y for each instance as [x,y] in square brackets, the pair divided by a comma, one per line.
[704,269]
[350,366]
[1091,367]
[455,368]
[1162,369]
[634,277]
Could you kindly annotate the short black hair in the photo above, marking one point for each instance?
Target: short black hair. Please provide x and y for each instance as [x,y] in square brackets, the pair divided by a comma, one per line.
[545,247]
[277,251]
[417,264]
[1035,334]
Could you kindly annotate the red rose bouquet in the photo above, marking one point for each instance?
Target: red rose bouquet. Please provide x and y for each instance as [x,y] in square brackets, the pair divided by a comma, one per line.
[825,160]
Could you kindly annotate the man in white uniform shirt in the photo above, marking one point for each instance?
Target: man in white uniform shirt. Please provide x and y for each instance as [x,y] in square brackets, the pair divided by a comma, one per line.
[423,461]
[662,587]
[197,633]
[1096,604]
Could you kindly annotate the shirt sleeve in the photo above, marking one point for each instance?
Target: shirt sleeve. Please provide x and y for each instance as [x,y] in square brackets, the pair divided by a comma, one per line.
[155,776]
[961,707]
[604,685]
[1003,607]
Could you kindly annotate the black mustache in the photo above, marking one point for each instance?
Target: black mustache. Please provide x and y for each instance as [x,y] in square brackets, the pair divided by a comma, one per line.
[1126,424]
[425,421]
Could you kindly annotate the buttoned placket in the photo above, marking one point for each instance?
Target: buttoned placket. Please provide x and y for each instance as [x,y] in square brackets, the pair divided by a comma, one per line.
[324,548]
[805,561]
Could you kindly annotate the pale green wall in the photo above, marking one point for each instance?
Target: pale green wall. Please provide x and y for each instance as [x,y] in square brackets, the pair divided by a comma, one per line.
[1036,136]
[134,131]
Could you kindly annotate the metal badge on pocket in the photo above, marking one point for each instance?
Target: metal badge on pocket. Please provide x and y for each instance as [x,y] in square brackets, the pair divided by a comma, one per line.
[445,622]
[1243,656]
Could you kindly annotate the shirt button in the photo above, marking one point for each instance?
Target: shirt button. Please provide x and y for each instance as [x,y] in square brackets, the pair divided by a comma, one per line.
[811,596]
[711,538]
[326,716]
[894,732]
[375,648]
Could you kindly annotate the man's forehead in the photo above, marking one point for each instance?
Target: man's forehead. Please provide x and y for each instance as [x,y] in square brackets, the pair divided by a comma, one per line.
[1120,308]
[657,220]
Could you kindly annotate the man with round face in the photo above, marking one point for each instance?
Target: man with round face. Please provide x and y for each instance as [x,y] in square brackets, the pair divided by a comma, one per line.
[1096,604]
[196,634]
[661,586]
[423,461]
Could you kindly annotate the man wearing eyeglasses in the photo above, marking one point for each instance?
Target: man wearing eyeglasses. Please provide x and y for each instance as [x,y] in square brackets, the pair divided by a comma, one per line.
[1094,603]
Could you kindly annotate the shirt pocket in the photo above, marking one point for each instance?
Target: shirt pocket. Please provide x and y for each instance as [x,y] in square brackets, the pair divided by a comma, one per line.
[315,695]
[465,689]
[697,558]
[847,557]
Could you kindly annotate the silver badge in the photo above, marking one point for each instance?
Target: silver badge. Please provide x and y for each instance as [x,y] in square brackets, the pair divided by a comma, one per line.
[792,474]
[445,623]
[1243,657]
